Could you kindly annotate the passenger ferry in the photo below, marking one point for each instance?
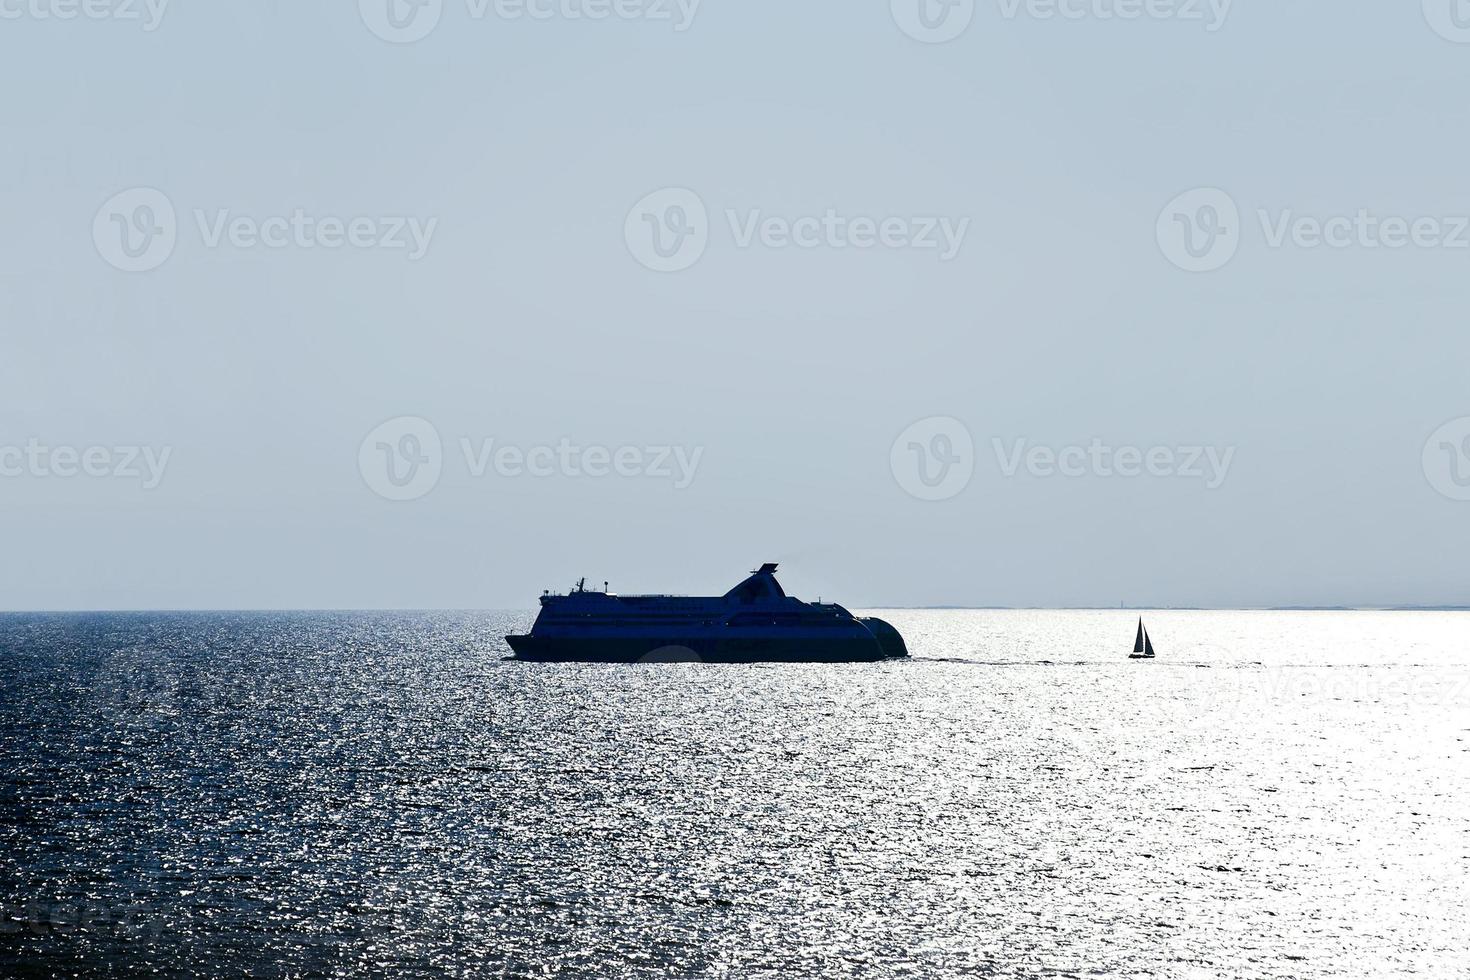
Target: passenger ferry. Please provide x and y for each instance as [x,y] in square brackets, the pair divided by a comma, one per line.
[755,621]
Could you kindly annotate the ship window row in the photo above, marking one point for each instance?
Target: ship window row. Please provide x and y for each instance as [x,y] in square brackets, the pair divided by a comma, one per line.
[740,619]
[768,619]
[585,618]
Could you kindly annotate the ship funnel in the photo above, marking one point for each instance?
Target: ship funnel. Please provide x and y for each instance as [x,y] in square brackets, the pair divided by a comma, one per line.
[762,584]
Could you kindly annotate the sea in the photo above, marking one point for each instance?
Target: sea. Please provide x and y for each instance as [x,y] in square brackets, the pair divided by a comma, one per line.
[1279,794]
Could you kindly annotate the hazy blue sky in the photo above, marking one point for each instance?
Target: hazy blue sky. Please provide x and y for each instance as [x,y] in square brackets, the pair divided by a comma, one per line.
[519,147]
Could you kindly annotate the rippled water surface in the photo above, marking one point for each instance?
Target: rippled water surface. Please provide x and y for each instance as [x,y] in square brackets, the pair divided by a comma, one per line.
[1279,795]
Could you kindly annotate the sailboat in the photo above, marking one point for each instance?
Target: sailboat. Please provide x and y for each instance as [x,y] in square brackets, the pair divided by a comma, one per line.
[1143,647]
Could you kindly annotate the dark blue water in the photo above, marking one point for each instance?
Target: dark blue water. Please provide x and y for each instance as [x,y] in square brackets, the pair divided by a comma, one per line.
[382,794]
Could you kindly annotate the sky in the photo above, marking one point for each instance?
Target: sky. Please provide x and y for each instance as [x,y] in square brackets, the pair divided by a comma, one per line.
[996,303]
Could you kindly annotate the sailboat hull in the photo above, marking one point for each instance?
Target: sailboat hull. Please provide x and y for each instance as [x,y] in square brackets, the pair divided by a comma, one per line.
[1143,646]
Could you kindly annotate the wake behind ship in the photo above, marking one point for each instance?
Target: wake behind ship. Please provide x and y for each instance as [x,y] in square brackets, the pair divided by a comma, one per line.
[754,622]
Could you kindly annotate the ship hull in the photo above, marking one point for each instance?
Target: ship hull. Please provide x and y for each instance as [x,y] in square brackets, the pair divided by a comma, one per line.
[606,649]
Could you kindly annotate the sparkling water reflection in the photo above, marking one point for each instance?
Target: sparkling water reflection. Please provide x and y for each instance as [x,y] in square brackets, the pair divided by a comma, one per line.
[1280,795]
